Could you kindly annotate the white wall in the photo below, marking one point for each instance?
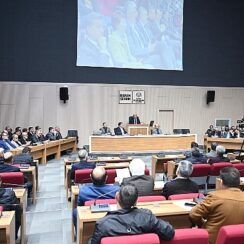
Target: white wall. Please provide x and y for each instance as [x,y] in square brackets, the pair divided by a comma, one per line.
[25,104]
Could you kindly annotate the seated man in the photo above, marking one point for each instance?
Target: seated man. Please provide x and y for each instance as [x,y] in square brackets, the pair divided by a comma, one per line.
[212,153]
[97,189]
[105,130]
[220,151]
[10,202]
[181,184]
[143,183]
[196,157]
[120,131]
[50,135]
[24,157]
[58,133]
[134,119]
[6,161]
[6,143]
[130,220]
[157,130]
[83,164]
[15,141]
[222,207]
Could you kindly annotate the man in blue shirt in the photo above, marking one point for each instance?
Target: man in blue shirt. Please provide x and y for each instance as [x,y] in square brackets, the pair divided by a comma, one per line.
[95,190]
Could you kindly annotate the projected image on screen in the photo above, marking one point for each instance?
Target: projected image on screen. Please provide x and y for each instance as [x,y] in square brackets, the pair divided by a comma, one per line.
[142,34]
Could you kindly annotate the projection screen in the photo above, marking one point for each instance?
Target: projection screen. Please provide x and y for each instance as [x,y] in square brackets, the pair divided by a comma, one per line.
[142,34]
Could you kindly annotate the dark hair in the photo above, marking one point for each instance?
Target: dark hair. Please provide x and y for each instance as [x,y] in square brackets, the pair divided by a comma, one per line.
[194,144]
[214,145]
[26,150]
[196,153]
[37,127]
[120,123]
[99,180]
[30,128]
[8,160]
[128,195]
[50,128]
[230,177]
[18,128]
[24,130]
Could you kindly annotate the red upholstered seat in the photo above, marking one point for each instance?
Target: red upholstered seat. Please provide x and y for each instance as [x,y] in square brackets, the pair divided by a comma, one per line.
[216,167]
[83,175]
[231,234]
[189,236]
[148,238]
[240,167]
[215,171]
[15,179]
[185,196]
[1,209]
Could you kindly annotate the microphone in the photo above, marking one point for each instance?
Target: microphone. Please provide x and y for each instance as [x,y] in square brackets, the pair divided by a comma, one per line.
[102,207]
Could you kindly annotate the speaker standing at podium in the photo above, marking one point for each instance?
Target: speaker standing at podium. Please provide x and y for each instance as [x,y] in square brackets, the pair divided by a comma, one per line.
[134,119]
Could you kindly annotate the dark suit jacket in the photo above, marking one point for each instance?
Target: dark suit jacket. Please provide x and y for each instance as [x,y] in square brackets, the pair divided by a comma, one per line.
[131,120]
[179,186]
[143,183]
[35,139]
[117,131]
[81,165]
[58,136]
[50,136]
[4,168]
[218,159]
[23,158]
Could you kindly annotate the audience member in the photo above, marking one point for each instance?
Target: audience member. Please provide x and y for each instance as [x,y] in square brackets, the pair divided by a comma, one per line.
[120,131]
[220,151]
[157,130]
[105,130]
[30,133]
[6,143]
[210,131]
[9,131]
[83,164]
[58,133]
[10,202]
[37,136]
[212,153]
[24,157]
[196,157]
[50,135]
[129,219]
[143,183]
[222,207]
[134,119]
[24,139]
[15,141]
[181,184]
[97,189]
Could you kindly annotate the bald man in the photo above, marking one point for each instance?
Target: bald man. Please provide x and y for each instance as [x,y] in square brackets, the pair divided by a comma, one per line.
[97,189]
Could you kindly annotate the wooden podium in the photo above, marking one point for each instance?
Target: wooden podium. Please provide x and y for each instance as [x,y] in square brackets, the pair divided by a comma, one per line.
[137,129]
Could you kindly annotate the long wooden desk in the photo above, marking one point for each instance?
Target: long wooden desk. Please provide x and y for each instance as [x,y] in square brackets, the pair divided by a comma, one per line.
[41,151]
[111,144]
[172,211]
[159,164]
[228,143]
[7,227]
[21,195]
[30,173]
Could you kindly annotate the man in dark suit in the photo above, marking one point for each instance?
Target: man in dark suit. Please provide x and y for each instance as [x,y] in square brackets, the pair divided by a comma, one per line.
[134,119]
[58,133]
[120,131]
[143,183]
[83,164]
[30,133]
[50,135]
[182,184]
[24,157]
[220,151]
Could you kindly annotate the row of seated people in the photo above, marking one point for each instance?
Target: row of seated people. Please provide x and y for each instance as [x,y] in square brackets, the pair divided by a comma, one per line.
[225,131]
[26,136]
[8,199]
[212,213]
[214,156]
